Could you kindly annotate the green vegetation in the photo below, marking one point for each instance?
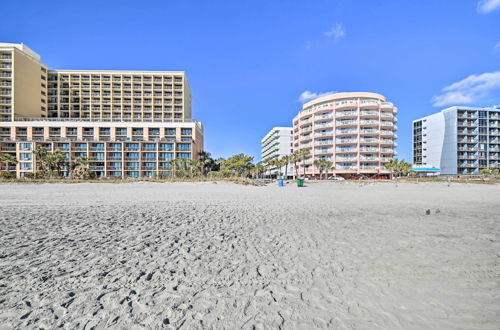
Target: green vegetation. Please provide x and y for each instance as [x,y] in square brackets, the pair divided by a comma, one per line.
[324,166]
[398,168]
[490,171]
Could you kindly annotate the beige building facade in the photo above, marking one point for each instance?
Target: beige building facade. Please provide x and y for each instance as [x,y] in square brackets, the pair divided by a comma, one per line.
[119,95]
[114,149]
[29,90]
[23,83]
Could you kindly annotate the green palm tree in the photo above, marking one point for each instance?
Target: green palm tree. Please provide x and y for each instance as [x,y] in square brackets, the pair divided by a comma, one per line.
[40,157]
[206,162]
[286,161]
[323,165]
[392,166]
[81,169]
[173,164]
[8,159]
[303,153]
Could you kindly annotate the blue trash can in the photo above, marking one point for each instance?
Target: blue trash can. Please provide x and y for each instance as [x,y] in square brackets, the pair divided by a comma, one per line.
[280,183]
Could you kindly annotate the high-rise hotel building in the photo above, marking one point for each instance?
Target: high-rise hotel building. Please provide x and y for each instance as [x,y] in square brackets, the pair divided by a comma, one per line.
[458,140]
[355,131]
[77,111]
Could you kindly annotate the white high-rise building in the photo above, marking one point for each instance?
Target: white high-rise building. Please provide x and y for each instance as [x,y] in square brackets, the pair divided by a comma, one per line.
[458,140]
[276,144]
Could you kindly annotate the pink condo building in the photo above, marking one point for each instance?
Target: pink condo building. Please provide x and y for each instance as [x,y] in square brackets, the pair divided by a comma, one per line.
[355,131]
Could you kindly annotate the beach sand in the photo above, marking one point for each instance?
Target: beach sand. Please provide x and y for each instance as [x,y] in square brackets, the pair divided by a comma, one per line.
[224,256]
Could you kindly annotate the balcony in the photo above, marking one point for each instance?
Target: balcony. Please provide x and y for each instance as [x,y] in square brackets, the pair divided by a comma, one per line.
[465,116]
[341,123]
[369,105]
[305,130]
[347,105]
[325,125]
[345,159]
[369,131]
[346,141]
[305,122]
[370,167]
[368,149]
[346,150]
[468,141]
[323,151]
[367,122]
[346,114]
[370,140]
[369,159]
[323,142]
[346,132]
[341,167]
[323,117]
[365,114]
[330,133]
[467,149]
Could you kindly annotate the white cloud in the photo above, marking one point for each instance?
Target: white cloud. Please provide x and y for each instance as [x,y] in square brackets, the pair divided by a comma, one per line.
[337,31]
[487,6]
[469,90]
[308,96]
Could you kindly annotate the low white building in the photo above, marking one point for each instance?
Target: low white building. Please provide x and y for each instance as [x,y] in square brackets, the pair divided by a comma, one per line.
[276,144]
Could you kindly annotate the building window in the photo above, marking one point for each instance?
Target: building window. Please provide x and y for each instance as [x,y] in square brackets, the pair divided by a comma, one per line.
[25,156]
[25,146]
[25,166]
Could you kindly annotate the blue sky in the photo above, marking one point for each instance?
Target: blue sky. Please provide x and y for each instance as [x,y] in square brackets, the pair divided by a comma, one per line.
[249,62]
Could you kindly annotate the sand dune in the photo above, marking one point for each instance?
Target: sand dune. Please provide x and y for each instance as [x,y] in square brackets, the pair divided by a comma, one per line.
[224,256]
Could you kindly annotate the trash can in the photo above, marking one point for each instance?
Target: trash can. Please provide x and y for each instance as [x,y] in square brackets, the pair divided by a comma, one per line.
[300,182]
[280,183]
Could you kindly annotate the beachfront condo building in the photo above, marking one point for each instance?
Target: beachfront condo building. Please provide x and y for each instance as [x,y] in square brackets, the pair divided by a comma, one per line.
[458,140]
[355,131]
[276,144]
[129,124]
[114,149]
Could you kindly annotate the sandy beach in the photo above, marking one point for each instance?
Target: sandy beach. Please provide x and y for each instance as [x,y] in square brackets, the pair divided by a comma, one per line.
[225,256]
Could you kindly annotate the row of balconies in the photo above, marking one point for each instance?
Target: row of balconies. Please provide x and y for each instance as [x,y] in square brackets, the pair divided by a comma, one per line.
[118,101]
[74,78]
[67,87]
[341,114]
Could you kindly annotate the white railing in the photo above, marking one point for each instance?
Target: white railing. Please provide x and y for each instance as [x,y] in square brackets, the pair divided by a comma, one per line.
[369,113]
[324,151]
[346,149]
[319,143]
[346,114]
[346,131]
[340,167]
[369,131]
[369,140]
[346,122]
[345,159]
[346,140]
